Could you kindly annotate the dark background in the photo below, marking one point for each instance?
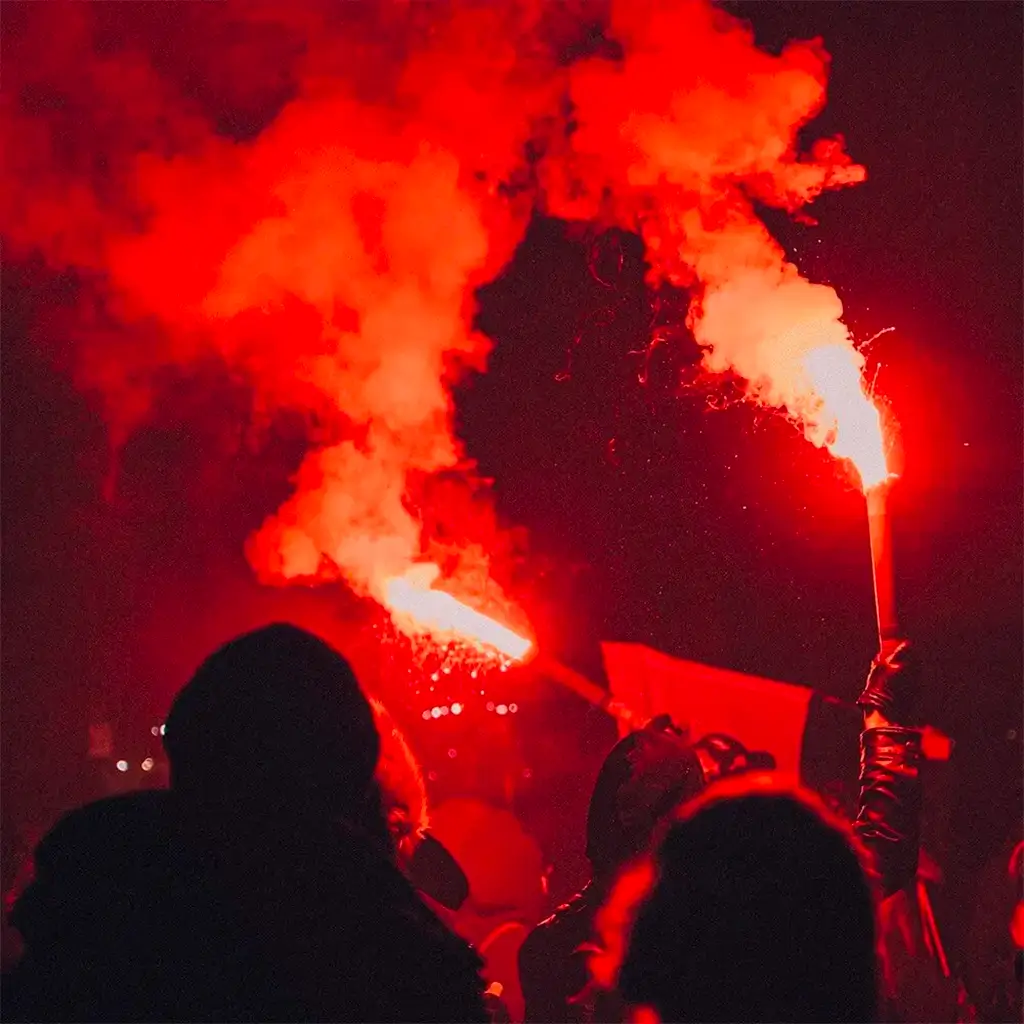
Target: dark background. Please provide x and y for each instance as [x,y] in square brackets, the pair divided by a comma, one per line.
[716,535]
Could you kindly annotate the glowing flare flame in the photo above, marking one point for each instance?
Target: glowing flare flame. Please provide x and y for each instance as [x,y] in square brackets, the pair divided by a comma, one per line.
[850,418]
[437,612]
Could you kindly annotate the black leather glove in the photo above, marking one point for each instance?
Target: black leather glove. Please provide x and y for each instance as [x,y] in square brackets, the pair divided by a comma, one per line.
[893,685]
[889,810]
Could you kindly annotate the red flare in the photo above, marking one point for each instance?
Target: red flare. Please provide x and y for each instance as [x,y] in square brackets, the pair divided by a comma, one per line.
[438,613]
[847,413]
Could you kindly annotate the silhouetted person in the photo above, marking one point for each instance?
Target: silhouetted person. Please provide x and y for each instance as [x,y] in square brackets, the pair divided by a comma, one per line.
[761,911]
[106,905]
[760,906]
[262,886]
[644,777]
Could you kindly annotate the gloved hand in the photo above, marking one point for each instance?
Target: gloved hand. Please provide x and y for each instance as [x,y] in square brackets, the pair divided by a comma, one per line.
[893,685]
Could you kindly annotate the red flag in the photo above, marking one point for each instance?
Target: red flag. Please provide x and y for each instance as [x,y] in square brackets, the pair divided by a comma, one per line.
[761,713]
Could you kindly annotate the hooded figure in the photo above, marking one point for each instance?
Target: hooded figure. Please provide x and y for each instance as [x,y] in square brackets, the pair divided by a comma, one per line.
[262,886]
[275,723]
[646,775]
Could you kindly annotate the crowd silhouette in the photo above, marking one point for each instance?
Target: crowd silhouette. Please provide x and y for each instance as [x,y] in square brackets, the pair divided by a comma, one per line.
[289,873]
[263,885]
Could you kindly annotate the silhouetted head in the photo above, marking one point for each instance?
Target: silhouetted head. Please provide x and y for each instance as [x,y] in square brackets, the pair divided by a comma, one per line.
[648,774]
[644,776]
[275,719]
[82,869]
[760,910]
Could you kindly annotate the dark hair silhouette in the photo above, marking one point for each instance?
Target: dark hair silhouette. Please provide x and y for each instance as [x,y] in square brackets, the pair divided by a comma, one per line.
[760,910]
[274,719]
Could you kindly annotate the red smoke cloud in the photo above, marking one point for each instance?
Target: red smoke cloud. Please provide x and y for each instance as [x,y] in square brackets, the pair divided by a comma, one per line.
[311,193]
[678,141]
[330,261]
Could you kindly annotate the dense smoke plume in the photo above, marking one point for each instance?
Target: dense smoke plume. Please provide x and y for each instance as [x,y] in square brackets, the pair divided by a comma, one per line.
[330,260]
[679,140]
[310,194]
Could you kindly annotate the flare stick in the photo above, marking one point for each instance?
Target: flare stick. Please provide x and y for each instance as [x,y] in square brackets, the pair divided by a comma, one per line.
[881,563]
[586,688]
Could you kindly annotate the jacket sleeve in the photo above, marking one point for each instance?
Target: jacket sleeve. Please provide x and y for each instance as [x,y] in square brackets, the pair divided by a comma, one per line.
[889,810]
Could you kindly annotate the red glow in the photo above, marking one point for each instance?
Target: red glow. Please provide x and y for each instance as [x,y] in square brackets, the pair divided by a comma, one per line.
[1017,925]
[679,141]
[330,262]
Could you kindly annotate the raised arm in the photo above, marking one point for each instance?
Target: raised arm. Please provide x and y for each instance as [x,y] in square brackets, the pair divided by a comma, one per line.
[889,809]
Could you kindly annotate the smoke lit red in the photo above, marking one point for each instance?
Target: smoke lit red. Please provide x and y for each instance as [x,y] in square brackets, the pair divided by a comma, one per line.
[327,251]
[679,141]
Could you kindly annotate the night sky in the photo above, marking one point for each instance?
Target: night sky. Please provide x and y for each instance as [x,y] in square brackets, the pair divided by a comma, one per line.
[718,535]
